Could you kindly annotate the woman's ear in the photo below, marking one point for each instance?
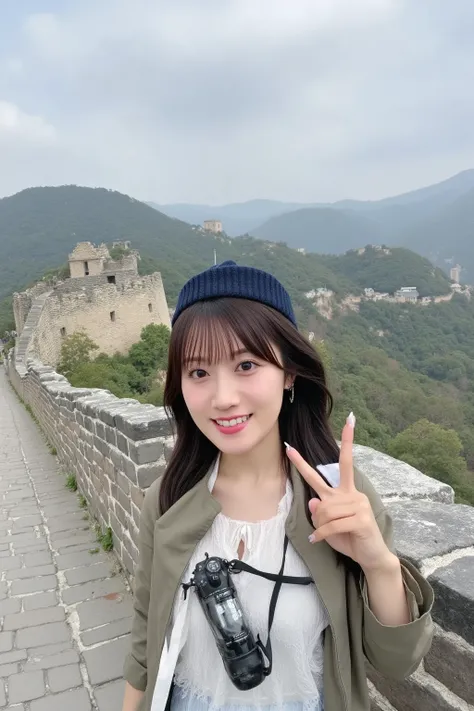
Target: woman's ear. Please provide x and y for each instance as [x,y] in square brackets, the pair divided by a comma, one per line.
[289,381]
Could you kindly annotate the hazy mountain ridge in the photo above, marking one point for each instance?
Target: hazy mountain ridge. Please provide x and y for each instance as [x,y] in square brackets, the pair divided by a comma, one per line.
[436,221]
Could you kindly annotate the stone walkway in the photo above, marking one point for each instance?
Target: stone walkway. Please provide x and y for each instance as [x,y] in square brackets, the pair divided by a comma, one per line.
[64,606]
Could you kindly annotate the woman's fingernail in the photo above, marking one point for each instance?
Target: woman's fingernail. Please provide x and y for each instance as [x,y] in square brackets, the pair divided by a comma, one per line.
[311,538]
[351,420]
[288,446]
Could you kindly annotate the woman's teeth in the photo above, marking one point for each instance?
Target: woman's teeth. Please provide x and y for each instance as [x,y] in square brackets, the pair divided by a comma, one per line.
[232,423]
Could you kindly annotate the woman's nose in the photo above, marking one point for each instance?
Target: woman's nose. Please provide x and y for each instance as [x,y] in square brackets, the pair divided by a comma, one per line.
[225,393]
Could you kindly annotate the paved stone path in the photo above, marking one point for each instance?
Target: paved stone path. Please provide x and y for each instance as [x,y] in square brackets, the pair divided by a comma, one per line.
[64,610]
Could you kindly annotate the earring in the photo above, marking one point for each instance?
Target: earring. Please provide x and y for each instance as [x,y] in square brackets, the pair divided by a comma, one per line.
[291,392]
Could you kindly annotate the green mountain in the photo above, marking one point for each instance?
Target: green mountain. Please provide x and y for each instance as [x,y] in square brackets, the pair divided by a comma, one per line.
[392,364]
[39,227]
[387,269]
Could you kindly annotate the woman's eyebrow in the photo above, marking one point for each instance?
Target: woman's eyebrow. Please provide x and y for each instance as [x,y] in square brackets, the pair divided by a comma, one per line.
[200,359]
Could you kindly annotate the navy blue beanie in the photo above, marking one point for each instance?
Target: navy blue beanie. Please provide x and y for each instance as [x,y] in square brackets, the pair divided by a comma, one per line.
[230,279]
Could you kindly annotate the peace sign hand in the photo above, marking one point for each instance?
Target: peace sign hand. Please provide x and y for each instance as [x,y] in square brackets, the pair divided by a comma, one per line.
[343,516]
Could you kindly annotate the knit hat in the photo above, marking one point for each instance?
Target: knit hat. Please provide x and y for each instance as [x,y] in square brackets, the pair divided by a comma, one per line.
[230,279]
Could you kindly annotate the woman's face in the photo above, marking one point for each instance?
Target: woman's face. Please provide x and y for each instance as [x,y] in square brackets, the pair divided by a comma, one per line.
[235,402]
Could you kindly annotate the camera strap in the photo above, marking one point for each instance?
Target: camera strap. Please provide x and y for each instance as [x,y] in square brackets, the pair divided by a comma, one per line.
[279,579]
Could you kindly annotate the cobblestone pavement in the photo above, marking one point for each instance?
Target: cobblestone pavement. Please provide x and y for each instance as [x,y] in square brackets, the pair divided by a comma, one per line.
[64,610]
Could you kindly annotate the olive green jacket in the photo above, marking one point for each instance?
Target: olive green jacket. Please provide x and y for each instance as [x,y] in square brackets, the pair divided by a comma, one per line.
[354,634]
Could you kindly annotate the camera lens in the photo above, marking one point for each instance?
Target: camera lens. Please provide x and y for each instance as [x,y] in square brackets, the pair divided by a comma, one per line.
[213,565]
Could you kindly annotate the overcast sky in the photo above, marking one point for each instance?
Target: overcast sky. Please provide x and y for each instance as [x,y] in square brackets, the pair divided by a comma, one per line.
[218,101]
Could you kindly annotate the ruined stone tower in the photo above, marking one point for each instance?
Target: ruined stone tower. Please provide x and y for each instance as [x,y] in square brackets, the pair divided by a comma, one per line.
[105,297]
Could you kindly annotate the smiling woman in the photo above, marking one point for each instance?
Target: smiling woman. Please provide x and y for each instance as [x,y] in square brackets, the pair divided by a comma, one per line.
[315,560]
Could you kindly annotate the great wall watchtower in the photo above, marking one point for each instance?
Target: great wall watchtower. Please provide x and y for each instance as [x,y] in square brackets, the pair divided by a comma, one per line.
[105,297]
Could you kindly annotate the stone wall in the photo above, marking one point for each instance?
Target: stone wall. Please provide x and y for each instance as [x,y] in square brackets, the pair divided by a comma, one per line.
[116,448]
[113,315]
[23,301]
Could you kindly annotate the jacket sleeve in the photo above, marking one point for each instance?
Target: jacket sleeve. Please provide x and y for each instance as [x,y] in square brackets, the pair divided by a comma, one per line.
[397,651]
[135,667]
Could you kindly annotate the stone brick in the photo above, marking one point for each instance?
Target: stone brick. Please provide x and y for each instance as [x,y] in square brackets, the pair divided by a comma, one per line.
[87,574]
[98,612]
[122,443]
[11,563]
[6,641]
[110,696]
[454,597]
[93,590]
[124,501]
[24,573]
[63,678]
[48,650]
[21,587]
[116,525]
[148,473]
[33,618]
[35,636]
[146,451]
[137,496]
[424,529]
[75,700]
[130,470]
[128,561]
[107,632]
[105,663]
[76,560]
[121,515]
[7,670]
[109,410]
[25,686]
[40,558]
[451,661]
[100,430]
[143,422]
[110,435]
[89,424]
[14,656]
[412,694]
[123,482]
[3,698]
[40,601]
[117,458]
[9,606]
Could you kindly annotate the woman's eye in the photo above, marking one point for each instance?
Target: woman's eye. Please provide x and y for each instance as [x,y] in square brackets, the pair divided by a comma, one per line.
[247,365]
[198,374]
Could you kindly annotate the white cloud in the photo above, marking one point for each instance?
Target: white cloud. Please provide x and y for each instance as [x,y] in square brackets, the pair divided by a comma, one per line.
[16,124]
[216,101]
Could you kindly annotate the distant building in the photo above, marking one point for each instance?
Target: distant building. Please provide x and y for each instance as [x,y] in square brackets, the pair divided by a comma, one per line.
[369,292]
[455,273]
[213,226]
[407,293]
[456,287]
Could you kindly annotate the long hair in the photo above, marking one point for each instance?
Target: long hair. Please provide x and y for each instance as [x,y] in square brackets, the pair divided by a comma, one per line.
[213,329]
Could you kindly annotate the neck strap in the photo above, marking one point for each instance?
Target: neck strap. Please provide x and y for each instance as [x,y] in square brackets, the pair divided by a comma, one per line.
[238,566]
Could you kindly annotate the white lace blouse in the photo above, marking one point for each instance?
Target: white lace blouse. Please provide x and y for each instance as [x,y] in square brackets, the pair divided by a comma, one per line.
[300,619]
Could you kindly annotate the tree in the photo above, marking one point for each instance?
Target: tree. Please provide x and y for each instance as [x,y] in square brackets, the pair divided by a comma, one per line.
[430,448]
[75,350]
[150,354]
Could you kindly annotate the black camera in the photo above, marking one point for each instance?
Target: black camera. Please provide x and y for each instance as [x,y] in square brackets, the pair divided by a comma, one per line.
[242,657]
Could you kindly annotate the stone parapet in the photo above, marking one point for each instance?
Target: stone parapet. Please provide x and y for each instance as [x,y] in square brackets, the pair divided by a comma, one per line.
[117,447]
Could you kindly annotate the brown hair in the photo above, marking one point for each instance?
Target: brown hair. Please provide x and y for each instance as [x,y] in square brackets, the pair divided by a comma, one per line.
[210,329]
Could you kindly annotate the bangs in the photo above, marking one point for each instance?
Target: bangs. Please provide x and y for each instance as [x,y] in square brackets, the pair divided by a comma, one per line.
[211,331]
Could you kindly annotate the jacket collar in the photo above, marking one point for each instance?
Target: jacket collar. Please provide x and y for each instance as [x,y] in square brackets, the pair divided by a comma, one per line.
[186,523]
